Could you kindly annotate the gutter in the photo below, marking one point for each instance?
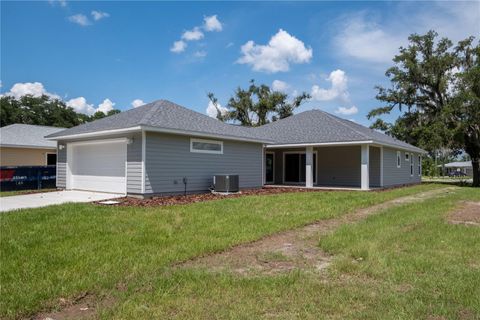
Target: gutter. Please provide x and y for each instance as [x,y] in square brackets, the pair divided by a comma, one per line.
[27,146]
[346,143]
[154,129]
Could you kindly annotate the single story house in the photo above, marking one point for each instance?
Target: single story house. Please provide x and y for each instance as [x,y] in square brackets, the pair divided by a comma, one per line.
[458,166]
[153,149]
[25,145]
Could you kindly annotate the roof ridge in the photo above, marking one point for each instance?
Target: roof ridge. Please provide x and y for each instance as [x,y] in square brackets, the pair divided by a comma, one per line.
[344,124]
[153,109]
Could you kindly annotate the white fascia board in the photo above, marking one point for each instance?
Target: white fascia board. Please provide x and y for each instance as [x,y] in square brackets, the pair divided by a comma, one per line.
[97,133]
[202,134]
[26,146]
[301,145]
[397,147]
[155,129]
[342,143]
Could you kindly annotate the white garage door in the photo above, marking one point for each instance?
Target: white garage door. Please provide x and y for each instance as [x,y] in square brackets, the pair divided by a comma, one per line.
[99,167]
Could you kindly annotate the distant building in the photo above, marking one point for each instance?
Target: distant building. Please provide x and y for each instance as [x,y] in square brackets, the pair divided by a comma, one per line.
[458,166]
[25,145]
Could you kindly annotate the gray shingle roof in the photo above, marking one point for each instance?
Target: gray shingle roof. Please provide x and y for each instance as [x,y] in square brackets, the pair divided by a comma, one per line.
[315,126]
[458,164]
[27,135]
[312,126]
[165,115]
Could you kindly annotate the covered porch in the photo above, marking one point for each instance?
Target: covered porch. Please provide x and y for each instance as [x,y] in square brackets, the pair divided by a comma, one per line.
[326,166]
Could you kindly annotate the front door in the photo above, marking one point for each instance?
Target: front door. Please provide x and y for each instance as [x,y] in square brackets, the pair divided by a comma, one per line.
[295,168]
[269,167]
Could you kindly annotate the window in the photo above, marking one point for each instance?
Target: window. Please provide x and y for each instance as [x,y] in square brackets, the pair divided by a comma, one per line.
[411,166]
[206,146]
[407,158]
[51,159]
[419,164]
[399,159]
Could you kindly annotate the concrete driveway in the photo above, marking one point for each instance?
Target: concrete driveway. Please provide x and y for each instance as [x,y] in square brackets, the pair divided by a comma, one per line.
[37,200]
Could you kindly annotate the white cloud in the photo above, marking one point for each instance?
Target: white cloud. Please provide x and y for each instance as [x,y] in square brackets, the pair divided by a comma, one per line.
[365,37]
[193,35]
[211,23]
[200,54]
[347,111]
[212,111]
[178,46]
[278,85]
[367,41]
[282,50]
[35,89]
[338,89]
[80,19]
[80,105]
[61,3]
[106,106]
[137,103]
[98,15]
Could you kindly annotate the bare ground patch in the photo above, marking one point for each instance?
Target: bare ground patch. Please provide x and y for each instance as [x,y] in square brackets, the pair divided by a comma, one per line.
[468,213]
[295,249]
[83,306]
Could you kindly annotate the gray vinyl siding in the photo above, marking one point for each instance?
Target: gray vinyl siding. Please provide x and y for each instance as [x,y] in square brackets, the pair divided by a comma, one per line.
[393,176]
[134,165]
[134,162]
[374,167]
[61,168]
[339,166]
[168,159]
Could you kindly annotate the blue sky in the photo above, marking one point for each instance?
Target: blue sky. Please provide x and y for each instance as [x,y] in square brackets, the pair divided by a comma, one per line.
[108,54]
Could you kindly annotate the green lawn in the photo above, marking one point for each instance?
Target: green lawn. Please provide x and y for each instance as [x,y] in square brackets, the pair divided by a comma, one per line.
[61,251]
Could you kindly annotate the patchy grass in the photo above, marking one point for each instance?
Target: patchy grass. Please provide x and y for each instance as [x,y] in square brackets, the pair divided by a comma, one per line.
[61,251]
[20,192]
[407,262]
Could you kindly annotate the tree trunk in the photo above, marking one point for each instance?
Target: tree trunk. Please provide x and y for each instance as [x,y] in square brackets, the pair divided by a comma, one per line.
[476,172]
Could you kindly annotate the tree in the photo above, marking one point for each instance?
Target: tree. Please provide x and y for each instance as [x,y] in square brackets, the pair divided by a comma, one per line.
[99,114]
[43,111]
[257,105]
[436,87]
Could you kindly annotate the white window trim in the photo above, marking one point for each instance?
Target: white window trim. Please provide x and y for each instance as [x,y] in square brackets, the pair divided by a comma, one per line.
[284,168]
[412,166]
[273,168]
[399,157]
[192,140]
[407,156]
[419,165]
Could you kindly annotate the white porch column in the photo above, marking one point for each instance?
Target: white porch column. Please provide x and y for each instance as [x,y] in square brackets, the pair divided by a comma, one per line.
[381,167]
[264,165]
[365,170]
[309,167]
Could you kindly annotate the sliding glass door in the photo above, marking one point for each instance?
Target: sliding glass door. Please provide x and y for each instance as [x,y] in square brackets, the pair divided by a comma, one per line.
[294,167]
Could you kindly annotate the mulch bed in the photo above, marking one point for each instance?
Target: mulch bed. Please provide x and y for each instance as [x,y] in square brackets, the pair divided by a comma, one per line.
[193,198]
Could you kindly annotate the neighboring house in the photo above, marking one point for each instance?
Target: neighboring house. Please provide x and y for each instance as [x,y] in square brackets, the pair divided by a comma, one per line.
[151,149]
[25,145]
[458,166]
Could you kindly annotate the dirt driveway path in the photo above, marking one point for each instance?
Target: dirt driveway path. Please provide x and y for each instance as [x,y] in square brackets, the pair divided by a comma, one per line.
[297,248]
